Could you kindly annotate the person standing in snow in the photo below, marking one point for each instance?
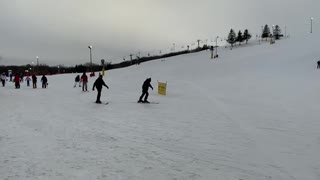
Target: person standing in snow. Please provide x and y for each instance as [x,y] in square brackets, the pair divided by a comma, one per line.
[98,84]
[21,77]
[44,81]
[17,80]
[34,81]
[77,80]
[3,79]
[11,75]
[145,88]
[84,80]
[28,79]
[318,67]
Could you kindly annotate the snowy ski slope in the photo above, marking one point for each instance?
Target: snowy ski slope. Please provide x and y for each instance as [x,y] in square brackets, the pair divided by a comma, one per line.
[253,114]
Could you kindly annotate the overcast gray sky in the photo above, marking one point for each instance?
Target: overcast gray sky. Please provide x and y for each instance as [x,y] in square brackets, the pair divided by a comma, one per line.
[59,31]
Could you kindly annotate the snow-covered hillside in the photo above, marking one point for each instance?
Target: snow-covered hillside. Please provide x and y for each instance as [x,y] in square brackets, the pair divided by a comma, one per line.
[253,114]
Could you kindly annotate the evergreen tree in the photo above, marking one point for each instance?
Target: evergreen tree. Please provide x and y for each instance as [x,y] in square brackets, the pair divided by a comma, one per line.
[231,37]
[277,32]
[266,32]
[240,37]
[246,36]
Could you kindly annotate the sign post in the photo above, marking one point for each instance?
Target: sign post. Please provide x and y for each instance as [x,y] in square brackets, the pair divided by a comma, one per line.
[102,63]
[162,88]
[211,49]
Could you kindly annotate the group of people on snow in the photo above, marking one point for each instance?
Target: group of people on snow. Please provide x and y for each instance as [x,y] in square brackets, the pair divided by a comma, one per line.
[83,80]
[99,83]
[19,78]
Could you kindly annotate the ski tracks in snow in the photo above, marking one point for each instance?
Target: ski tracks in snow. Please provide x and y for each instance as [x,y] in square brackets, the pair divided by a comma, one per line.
[247,157]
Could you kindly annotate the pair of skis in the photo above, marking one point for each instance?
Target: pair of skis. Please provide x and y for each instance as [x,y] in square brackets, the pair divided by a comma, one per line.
[138,103]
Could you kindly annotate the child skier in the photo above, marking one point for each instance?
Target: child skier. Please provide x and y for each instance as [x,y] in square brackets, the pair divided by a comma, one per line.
[17,80]
[28,79]
[44,81]
[77,80]
[3,79]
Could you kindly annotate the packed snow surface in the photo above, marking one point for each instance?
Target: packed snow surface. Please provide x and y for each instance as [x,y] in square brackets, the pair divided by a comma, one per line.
[251,114]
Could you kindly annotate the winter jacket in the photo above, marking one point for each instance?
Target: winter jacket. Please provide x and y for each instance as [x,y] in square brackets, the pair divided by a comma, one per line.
[44,80]
[146,85]
[3,77]
[17,78]
[34,78]
[99,83]
[77,79]
[84,78]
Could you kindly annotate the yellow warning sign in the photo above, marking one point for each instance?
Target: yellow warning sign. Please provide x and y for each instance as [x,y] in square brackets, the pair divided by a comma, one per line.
[162,88]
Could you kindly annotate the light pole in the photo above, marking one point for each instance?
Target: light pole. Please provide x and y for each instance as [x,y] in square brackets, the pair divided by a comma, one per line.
[217,46]
[311,24]
[102,64]
[32,67]
[131,58]
[37,57]
[90,47]
[285,31]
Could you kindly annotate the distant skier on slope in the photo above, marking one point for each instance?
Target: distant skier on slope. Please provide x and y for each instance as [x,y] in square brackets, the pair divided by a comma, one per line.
[98,84]
[28,79]
[77,80]
[44,81]
[318,67]
[145,88]
[17,80]
[3,79]
[34,81]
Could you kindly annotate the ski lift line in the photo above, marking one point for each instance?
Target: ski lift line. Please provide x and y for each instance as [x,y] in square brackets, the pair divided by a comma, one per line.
[166,50]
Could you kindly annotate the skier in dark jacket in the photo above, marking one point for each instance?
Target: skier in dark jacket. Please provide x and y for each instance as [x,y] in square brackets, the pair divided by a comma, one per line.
[145,88]
[34,81]
[44,81]
[98,84]
[77,80]
[318,67]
